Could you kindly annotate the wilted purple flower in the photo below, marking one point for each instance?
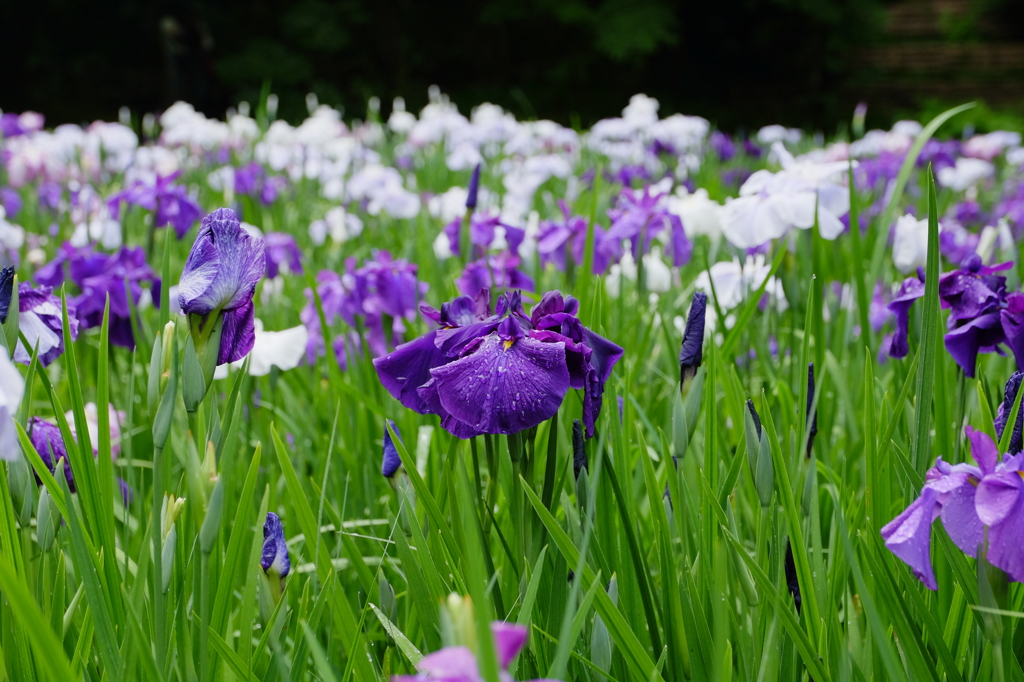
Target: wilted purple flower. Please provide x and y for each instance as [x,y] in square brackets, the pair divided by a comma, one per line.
[722,145]
[220,278]
[40,322]
[877,172]
[500,373]
[47,440]
[691,353]
[49,194]
[170,203]
[391,461]
[458,664]
[6,292]
[382,287]
[11,201]
[640,215]
[482,234]
[976,503]
[282,254]
[275,560]
[910,290]
[494,272]
[99,275]
[556,242]
[474,188]
[1003,414]
[252,180]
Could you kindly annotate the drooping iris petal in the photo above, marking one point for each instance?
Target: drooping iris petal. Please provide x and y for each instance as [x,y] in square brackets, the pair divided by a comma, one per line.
[239,334]
[504,386]
[911,290]
[391,461]
[223,267]
[908,536]
[405,369]
[964,342]
[275,550]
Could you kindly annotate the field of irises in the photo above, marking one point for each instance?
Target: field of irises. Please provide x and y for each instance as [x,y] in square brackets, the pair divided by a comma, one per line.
[443,398]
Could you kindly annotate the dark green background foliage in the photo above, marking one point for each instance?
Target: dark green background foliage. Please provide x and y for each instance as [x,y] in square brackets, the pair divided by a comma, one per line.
[738,62]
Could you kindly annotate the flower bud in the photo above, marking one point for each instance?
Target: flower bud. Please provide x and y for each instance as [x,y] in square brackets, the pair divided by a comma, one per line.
[22,486]
[47,521]
[600,641]
[691,353]
[210,531]
[759,456]
[474,188]
[167,556]
[458,622]
[386,594]
[391,462]
[9,309]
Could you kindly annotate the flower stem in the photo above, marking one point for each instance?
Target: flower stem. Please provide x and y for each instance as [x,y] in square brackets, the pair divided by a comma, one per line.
[158,563]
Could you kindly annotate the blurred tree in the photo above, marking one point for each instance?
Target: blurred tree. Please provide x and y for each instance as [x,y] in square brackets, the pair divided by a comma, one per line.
[739,62]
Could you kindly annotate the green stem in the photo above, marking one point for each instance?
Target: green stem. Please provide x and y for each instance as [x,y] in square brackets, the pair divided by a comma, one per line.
[158,562]
[204,614]
[998,668]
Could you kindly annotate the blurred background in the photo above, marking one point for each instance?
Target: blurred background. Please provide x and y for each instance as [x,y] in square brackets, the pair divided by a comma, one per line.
[739,63]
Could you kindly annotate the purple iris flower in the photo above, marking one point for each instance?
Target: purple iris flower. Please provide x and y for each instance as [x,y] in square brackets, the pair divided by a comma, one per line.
[940,154]
[723,146]
[751,149]
[1012,207]
[500,373]
[220,278]
[556,242]
[458,664]
[494,272]
[98,275]
[49,443]
[168,201]
[956,242]
[282,254]
[968,213]
[976,503]
[1003,414]
[640,214]
[274,559]
[40,322]
[691,353]
[252,180]
[391,461]
[626,175]
[482,233]
[6,292]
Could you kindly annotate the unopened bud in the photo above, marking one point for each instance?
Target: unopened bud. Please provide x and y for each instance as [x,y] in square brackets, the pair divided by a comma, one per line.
[691,353]
[47,521]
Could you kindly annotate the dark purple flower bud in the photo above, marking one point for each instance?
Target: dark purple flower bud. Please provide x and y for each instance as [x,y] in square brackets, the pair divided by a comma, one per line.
[391,461]
[755,417]
[691,354]
[1003,414]
[911,290]
[283,254]
[474,188]
[6,291]
[220,278]
[42,324]
[579,451]
[275,550]
[792,582]
[812,414]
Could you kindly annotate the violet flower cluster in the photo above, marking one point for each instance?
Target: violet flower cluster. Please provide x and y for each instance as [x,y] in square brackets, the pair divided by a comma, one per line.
[363,297]
[99,275]
[500,372]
